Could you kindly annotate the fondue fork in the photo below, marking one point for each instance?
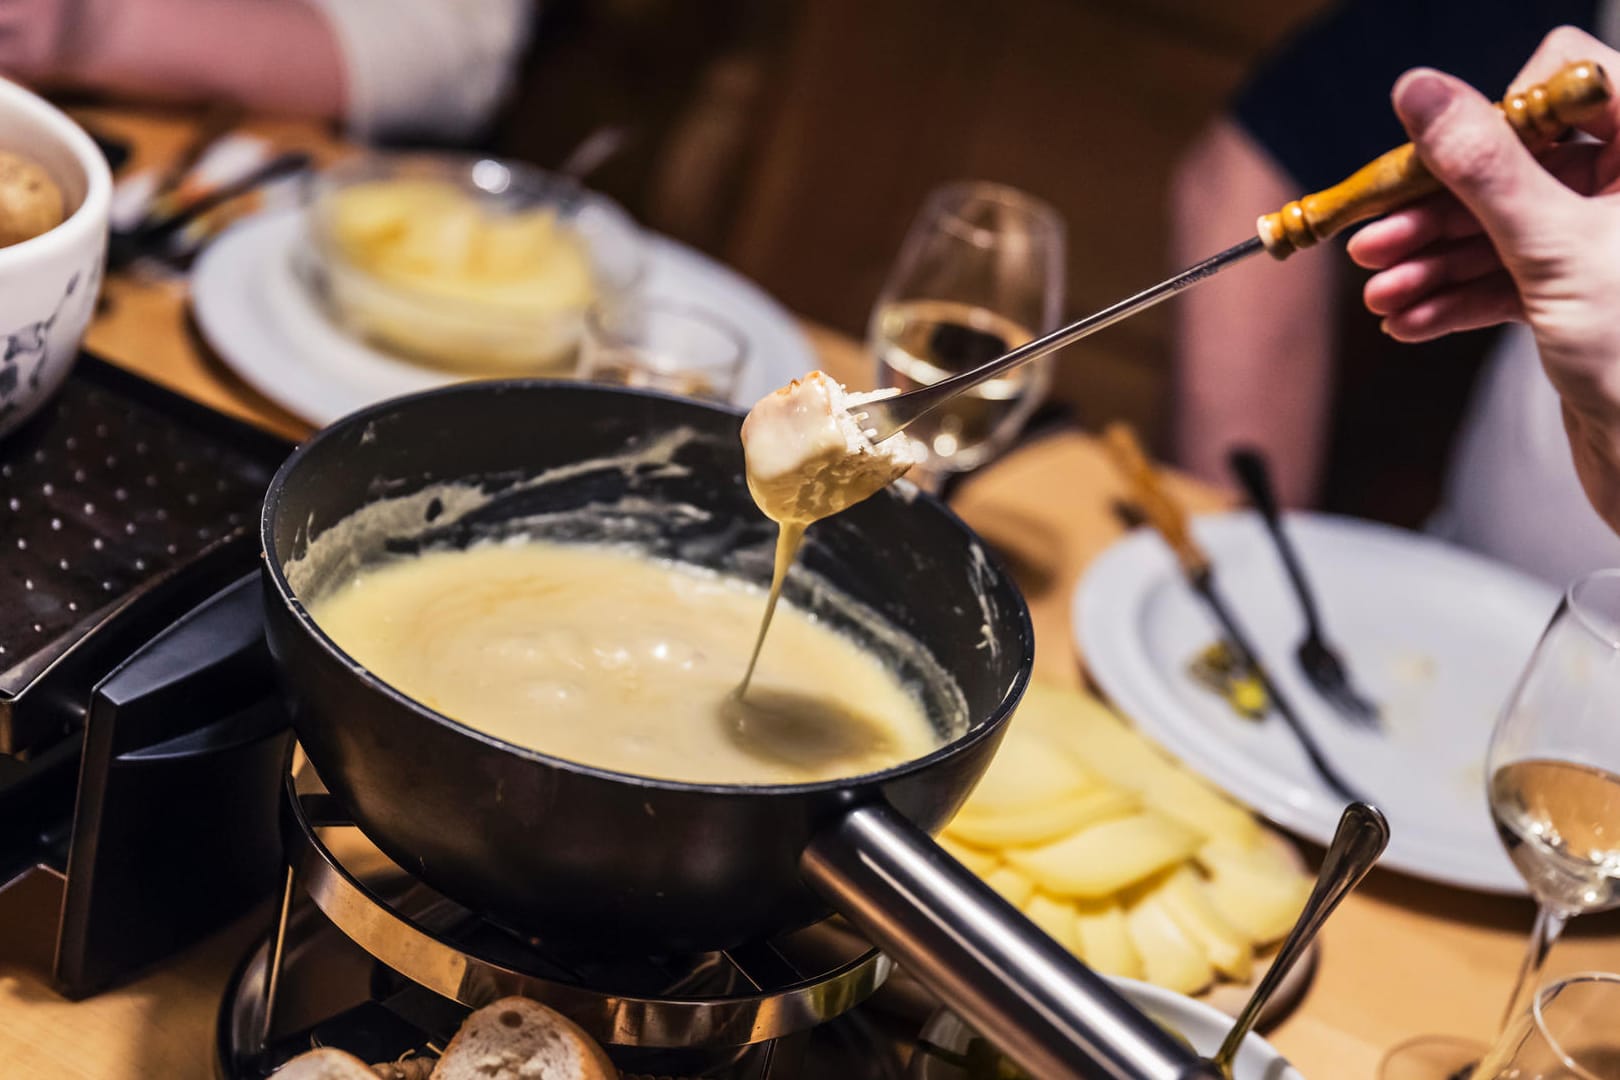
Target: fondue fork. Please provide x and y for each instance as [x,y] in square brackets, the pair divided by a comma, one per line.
[1577,92]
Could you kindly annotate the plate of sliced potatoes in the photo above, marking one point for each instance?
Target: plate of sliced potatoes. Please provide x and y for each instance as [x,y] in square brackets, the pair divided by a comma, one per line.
[1140,867]
[403,276]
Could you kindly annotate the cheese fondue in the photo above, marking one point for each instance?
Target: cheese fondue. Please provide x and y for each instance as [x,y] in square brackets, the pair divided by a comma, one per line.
[610,658]
[807,458]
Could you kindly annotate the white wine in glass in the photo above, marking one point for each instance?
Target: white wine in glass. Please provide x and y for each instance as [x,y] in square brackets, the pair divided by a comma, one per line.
[1553,764]
[1560,822]
[919,342]
[1554,792]
[980,273]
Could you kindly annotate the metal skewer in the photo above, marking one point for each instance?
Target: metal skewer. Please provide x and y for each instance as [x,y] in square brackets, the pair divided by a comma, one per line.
[892,415]
[1575,94]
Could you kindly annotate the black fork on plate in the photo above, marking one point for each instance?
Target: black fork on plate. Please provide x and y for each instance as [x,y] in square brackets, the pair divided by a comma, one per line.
[1321,664]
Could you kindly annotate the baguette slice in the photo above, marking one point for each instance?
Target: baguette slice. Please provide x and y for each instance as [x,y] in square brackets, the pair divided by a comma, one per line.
[519,1039]
[325,1064]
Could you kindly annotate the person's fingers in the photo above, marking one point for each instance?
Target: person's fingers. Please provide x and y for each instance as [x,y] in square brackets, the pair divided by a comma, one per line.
[1488,301]
[1402,286]
[1565,45]
[1574,164]
[1463,141]
[1606,169]
[1402,233]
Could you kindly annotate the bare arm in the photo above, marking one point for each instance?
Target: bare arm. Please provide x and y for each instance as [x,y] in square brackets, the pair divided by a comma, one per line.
[1253,346]
[272,55]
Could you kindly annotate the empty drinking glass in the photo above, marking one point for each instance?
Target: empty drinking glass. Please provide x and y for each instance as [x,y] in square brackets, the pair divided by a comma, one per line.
[657,345]
[1571,1031]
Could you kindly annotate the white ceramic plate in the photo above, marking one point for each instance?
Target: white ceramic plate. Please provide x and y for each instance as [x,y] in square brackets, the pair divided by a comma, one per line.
[1436,634]
[1196,1022]
[265,326]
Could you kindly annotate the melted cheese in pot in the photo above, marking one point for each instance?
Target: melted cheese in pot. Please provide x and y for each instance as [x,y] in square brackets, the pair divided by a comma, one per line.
[606,657]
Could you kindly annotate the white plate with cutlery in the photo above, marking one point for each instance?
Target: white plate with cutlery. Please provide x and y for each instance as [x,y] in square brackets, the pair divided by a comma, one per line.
[264,323]
[1436,635]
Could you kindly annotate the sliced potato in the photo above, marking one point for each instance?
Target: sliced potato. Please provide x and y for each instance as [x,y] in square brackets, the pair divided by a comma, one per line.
[1183,894]
[1038,823]
[429,235]
[1108,747]
[1057,918]
[1106,857]
[1258,897]
[1014,886]
[1130,861]
[978,860]
[1170,958]
[1272,854]
[1027,771]
[1105,939]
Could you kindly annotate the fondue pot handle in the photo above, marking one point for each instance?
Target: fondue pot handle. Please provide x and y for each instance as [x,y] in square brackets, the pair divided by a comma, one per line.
[993,967]
[1575,94]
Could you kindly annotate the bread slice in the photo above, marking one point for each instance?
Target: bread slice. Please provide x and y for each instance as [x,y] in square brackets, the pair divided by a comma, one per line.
[519,1039]
[325,1064]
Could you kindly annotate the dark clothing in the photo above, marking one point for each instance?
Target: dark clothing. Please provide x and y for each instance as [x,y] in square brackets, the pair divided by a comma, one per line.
[1320,105]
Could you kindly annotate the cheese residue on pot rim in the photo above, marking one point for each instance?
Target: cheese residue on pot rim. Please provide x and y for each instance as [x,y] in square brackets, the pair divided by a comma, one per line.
[807,457]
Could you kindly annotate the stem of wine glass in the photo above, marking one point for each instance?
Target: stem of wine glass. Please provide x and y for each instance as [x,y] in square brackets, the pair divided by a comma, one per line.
[1550,922]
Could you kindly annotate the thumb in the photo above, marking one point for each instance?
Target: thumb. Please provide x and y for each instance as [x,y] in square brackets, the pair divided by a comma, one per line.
[1469,147]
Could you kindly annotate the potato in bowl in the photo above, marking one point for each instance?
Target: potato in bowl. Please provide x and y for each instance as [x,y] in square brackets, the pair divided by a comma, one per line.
[483,267]
[30,201]
[55,189]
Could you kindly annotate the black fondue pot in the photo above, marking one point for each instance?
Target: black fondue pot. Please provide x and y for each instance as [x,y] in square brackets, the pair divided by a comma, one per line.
[595,860]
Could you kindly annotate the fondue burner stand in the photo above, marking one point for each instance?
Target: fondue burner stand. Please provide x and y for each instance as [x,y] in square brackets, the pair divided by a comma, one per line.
[366,958]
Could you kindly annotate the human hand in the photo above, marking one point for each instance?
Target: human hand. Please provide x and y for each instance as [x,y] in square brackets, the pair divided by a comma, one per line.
[1514,239]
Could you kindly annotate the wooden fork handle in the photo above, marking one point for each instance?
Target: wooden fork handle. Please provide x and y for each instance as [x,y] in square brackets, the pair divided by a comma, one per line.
[1575,94]
[1149,494]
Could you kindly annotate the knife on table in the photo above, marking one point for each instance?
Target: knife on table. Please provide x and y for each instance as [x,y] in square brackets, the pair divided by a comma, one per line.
[1169,520]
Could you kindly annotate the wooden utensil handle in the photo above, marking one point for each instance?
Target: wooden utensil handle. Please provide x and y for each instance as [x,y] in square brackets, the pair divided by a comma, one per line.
[1148,492]
[1540,115]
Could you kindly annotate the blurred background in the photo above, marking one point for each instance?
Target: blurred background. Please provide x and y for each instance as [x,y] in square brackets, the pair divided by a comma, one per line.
[796,140]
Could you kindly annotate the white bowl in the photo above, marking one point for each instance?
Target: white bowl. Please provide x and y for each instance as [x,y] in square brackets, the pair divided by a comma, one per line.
[462,333]
[48,284]
[1194,1021]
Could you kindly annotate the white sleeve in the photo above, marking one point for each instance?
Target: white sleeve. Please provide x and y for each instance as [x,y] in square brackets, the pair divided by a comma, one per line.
[426,68]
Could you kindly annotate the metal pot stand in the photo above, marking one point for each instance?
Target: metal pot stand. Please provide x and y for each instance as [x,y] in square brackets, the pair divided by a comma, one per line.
[417,962]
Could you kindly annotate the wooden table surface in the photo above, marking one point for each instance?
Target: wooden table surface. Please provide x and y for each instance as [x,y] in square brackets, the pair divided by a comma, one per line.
[1401,958]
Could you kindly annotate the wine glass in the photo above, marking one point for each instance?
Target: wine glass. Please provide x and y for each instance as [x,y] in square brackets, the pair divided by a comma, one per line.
[980,273]
[1553,784]
[663,346]
[1568,1032]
